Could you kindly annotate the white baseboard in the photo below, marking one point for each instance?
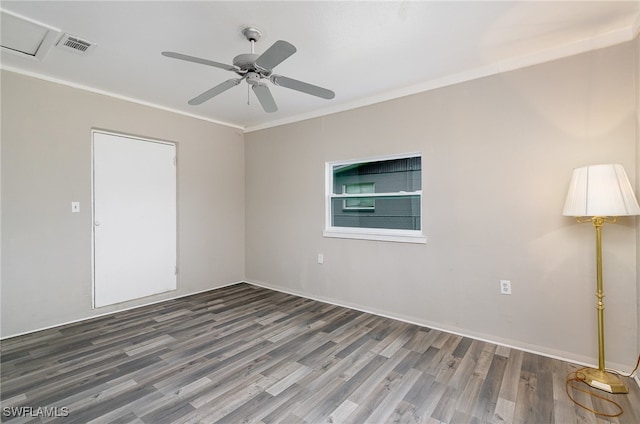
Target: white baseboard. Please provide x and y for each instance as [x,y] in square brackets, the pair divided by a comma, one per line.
[512,344]
[117,311]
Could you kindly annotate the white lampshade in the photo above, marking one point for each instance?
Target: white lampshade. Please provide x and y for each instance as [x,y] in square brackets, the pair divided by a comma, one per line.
[600,190]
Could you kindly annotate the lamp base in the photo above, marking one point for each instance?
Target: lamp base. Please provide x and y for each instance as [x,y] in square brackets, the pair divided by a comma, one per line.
[602,380]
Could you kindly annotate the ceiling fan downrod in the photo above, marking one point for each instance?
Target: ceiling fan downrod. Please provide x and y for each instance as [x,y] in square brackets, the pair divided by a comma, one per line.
[252,34]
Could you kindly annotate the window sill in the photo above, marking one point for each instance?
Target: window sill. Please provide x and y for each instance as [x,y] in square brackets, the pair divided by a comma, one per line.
[371,234]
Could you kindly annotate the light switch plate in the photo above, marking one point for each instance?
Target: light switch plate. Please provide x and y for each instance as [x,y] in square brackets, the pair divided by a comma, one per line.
[75,207]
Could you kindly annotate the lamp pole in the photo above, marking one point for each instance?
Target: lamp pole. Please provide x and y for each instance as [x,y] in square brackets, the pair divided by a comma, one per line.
[597,224]
[599,378]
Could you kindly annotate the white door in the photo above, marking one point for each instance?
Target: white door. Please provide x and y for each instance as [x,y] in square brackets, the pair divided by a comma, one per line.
[134,217]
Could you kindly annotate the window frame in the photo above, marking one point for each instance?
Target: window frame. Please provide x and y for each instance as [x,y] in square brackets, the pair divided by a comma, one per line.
[378,234]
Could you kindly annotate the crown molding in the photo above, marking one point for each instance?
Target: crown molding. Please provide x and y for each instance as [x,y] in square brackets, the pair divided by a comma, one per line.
[114,95]
[557,52]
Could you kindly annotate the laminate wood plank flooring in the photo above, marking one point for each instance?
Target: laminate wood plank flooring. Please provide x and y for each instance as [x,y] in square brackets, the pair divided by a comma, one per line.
[245,354]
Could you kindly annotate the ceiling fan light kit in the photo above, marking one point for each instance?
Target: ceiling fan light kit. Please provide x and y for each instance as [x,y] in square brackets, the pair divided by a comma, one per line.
[253,68]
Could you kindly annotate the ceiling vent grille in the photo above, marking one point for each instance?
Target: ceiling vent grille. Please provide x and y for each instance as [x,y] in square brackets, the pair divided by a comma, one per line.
[74,44]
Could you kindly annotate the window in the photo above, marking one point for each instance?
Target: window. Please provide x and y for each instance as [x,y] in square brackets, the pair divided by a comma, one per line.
[375,199]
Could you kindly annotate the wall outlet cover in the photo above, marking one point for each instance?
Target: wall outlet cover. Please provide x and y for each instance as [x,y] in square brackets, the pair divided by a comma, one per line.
[505,287]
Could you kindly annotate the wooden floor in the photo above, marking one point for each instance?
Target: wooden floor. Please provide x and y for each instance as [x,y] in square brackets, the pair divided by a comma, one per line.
[248,354]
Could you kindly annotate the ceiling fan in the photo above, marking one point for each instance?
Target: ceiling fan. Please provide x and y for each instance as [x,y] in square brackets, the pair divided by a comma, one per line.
[253,68]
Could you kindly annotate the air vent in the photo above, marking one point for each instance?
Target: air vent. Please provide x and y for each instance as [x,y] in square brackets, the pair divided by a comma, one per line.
[73,44]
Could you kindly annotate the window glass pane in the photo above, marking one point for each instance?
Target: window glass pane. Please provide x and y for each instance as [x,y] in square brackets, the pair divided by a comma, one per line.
[396,176]
[397,213]
[387,176]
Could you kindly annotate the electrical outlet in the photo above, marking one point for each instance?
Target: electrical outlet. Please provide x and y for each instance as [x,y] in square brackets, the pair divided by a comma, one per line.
[505,287]
[320,258]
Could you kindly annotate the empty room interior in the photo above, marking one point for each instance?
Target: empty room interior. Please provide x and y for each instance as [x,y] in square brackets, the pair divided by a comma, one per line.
[305,212]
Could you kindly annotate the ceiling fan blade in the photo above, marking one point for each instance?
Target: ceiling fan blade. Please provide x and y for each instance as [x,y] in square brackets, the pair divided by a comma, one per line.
[201,61]
[274,55]
[214,91]
[264,96]
[304,87]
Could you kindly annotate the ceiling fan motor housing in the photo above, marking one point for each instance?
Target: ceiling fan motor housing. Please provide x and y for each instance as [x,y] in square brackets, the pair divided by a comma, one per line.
[247,63]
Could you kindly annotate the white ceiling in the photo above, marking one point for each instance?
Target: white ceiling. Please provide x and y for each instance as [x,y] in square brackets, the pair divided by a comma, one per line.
[364,51]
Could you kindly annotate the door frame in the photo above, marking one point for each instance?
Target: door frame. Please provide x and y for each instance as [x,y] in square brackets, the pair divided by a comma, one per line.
[93,217]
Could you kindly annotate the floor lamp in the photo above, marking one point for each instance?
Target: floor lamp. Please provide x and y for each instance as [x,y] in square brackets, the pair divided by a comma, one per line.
[599,194]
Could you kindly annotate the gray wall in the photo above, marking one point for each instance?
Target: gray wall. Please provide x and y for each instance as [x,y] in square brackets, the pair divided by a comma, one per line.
[498,153]
[46,164]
